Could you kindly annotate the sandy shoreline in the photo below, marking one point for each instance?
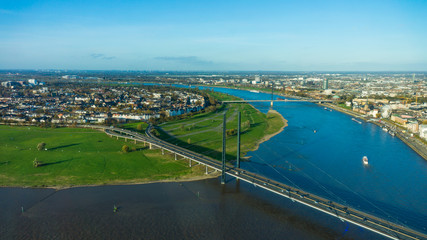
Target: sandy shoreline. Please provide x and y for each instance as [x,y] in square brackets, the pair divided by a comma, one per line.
[124,183]
[269,136]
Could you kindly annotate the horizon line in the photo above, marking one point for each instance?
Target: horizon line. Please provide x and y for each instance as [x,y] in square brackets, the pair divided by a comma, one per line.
[211,71]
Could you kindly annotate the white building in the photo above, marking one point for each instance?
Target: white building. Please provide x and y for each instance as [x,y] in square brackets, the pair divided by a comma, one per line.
[32,81]
[423,131]
[386,111]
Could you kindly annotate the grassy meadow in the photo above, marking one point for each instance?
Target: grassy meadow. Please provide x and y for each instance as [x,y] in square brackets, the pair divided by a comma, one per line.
[76,156]
[202,133]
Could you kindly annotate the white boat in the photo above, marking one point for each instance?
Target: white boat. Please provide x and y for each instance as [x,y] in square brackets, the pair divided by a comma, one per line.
[254,91]
[365,160]
[385,129]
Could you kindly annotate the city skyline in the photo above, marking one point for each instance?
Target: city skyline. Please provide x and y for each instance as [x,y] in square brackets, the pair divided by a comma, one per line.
[214,36]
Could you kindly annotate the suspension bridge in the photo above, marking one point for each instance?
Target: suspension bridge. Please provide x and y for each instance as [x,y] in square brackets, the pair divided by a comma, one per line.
[342,212]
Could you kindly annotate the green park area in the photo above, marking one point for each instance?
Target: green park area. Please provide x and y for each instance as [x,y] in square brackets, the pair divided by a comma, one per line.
[75,156]
[202,133]
[66,157]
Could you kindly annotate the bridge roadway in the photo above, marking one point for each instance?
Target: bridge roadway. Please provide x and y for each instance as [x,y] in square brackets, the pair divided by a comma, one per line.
[342,212]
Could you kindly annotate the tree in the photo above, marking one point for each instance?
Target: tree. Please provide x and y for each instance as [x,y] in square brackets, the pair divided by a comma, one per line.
[41,146]
[36,163]
[231,132]
[139,127]
[189,141]
[125,148]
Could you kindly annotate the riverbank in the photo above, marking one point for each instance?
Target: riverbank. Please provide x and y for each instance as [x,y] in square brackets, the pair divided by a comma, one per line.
[274,132]
[412,142]
[202,133]
[185,178]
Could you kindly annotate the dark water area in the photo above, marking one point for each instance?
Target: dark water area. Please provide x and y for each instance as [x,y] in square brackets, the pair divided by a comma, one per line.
[188,210]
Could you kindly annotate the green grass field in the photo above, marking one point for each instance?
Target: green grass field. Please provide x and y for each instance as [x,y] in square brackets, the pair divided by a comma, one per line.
[134,126]
[203,132]
[77,156]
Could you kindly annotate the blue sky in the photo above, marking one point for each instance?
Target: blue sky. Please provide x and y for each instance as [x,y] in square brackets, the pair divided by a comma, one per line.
[214,35]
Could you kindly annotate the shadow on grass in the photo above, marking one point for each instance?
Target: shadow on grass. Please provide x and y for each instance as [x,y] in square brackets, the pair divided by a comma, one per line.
[2,163]
[140,148]
[58,162]
[64,146]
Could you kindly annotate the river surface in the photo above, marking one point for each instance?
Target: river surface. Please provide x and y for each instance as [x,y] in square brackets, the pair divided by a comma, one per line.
[320,151]
[188,210]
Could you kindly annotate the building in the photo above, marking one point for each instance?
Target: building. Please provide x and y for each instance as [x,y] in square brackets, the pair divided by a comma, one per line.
[412,126]
[398,119]
[386,111]
[423,131]
[32,81]
[325,84]
[70,77]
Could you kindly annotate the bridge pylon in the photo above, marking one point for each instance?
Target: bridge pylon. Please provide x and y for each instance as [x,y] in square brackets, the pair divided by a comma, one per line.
[223,150]
[238,140]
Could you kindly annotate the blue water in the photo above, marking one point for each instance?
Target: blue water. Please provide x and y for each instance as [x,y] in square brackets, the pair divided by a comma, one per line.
[328,162]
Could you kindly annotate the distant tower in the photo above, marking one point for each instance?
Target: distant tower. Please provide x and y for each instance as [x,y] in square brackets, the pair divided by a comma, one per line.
[413,77]
[325,84]
[272,96]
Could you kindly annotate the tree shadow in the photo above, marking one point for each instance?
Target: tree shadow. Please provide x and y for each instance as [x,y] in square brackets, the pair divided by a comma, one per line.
[64,146]
[141,148]
[2,163]
[58,162]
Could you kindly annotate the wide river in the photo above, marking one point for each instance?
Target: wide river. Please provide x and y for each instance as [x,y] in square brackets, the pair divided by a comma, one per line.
[320,151]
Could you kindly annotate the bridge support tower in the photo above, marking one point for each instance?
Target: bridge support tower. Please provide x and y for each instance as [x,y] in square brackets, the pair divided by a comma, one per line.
[223,150]
[238,141]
